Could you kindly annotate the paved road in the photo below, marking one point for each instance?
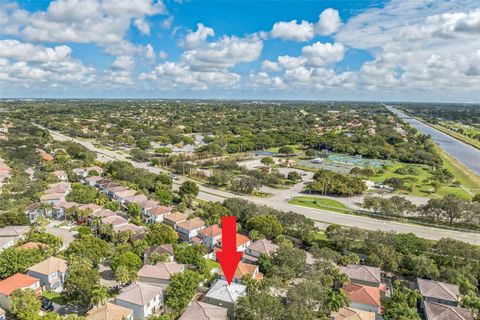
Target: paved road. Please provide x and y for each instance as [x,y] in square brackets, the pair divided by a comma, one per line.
[464,153]
[280,201]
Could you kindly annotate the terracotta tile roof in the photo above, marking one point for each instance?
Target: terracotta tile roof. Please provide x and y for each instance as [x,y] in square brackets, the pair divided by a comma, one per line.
[211,231]
[362,273]
[136,199]
[176,217]
[49,266]
[348,313]
[139,293]
[437,311]
[34,206]
[105,213]
[263,246]
[438,290]
[241,239]
[160,210]
[31,246]
[17,281]
[191,224]
[204,311]
[362,294]
[109,311]
[244,269]
[162,270]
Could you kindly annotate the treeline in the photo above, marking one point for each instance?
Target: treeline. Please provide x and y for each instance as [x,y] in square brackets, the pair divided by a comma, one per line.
[336,184]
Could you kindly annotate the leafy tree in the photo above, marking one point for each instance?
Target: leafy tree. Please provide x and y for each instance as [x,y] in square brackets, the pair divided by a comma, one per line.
[134,210]
[288,261]
[294,176]
[99,295]
[127,259]
[421,266]
[181,289]
[191,255]
[267,225]
[25,305]
[188,188]
[112,205]
[267,161]
[163,194]
[155,258]
[89,247]
[287,151]
[403,305]
[260,306]
[83,194]
[161,234]
[13,261]
[81,282]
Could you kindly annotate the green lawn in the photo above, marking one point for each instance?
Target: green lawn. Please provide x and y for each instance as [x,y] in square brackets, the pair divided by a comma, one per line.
[422,186]
[55,297]
[212,264]
[320,203]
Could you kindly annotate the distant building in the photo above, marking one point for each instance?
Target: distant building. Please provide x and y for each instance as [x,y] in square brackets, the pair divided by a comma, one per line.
[161,249]
[210,236]
[363,297]
[174,218]
[189,229]
[257,248]
[156,214]
[243,269]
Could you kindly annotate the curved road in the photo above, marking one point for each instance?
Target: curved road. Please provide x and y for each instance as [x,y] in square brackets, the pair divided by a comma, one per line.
[280,201]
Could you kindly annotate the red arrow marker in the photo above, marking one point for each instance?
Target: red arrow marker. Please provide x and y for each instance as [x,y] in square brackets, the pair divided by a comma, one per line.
[229,257]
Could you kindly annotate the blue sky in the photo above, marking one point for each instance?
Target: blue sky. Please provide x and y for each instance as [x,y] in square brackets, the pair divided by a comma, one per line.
[402,50]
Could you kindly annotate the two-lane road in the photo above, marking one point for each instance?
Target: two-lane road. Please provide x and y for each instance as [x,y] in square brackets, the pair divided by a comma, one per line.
[280,201]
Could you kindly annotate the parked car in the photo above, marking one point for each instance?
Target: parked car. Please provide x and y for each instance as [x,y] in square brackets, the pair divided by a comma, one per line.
[47,305]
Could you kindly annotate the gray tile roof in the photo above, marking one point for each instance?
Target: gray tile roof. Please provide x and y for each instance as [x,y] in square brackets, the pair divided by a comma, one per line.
[438,290]
[224,292]
[437,311]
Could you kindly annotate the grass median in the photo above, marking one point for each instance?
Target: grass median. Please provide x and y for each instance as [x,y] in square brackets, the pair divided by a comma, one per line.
[320,203]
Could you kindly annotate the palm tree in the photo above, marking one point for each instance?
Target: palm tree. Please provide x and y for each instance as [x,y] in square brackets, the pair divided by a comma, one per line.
[99,296]
[336,299]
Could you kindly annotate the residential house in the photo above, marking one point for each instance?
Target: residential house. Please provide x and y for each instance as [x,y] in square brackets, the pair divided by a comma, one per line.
[349,313]
[148,204]
[203,311]
[438,311]
[53,198]
[257,248]
[34,212]
[7,242]
[110,311]
[242,242]
[161,249]
[142,298]
[189,229]
[363,297]
[45,156]
[243,269]
[156,214]
[51,272]
[223,295]
[116,221]
[135,199]
[59,209]
[133,228]
[439,292]
[210,236]
[120,196]
[98,169]
[159,274]
[93,207]
[104,213]
[14,231]
[61,175]
[17,281]
[174,218]
[82,173]
[92,181]
[369,276]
